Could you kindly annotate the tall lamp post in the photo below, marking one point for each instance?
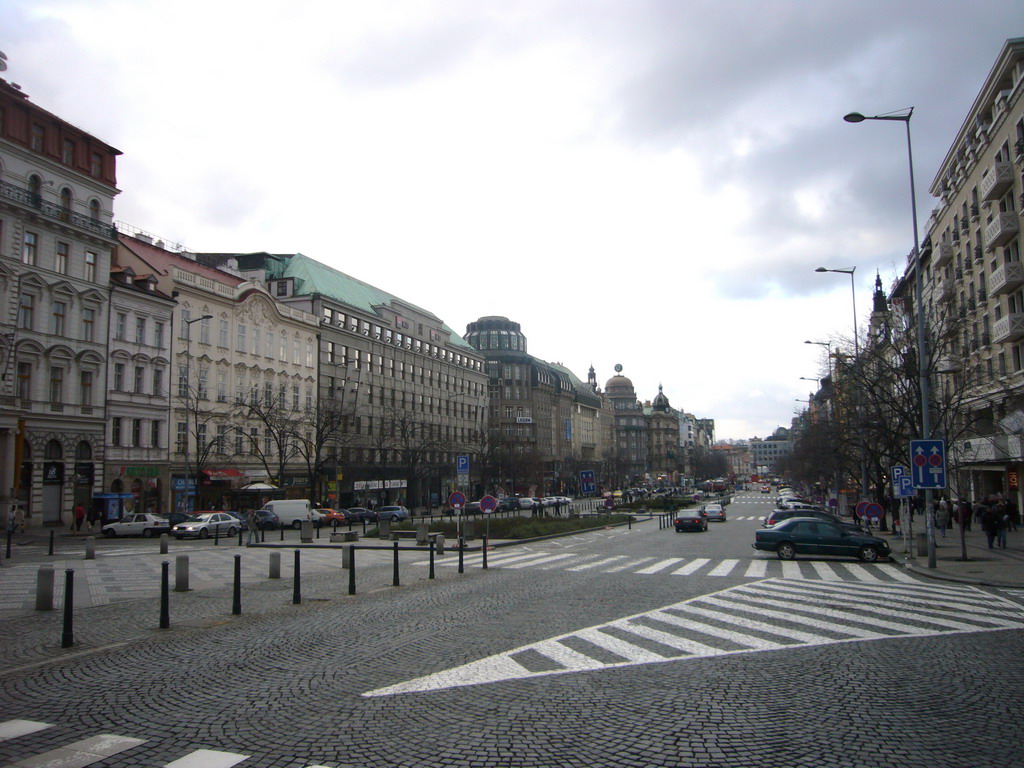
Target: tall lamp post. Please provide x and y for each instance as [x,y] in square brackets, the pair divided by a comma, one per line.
[188,402]
[922,349]
[856,352]
[828,345]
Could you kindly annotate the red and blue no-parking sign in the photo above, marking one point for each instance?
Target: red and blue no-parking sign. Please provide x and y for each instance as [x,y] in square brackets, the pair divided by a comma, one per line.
[457,500]
[488,504]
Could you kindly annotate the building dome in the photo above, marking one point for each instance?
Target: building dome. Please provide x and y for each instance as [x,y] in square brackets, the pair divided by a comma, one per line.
[618,384]
[660,401]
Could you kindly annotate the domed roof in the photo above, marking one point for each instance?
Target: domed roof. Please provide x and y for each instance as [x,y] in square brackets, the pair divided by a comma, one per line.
[618,381]
[660,401]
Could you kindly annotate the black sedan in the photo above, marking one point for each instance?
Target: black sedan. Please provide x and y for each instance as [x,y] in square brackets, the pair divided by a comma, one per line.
[691,520]
[811,536]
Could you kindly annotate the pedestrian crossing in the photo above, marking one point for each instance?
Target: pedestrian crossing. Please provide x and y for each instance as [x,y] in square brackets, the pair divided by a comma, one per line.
[759,568]
[96,749]
[768,615]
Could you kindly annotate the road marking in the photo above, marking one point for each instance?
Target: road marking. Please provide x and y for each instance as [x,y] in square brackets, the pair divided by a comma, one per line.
[12,729]
[691,566]
[756,617]
[724,568]
[596,563]
[660,565]
[207,758]
[79,754]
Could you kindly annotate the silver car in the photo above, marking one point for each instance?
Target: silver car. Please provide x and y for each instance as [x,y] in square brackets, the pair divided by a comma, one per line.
[141,524]
[714,512]
[207,524]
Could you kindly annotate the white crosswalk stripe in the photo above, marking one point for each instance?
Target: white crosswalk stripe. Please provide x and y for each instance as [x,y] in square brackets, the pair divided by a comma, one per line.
[761,616]
[759,568]
[96,749]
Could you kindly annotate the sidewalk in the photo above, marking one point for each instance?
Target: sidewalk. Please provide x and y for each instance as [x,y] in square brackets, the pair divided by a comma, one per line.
[993,567]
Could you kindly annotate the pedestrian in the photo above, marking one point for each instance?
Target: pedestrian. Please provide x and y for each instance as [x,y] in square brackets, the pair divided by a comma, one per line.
[1014,514]
[989,524]
[250,519]
[942,516]
[19,519]
[1002,525]
[79,516]
[92,517]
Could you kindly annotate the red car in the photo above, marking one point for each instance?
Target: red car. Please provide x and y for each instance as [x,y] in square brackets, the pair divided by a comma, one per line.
[332,516]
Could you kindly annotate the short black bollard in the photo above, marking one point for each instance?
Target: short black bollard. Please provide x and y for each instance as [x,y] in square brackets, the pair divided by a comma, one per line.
[318,526]
[630,525]
[462,546]
[10,535]
[216,535]
[431,559]
[165,599]
[394,575]
[51,541]
[484,550]
[282,531]
[236,603]
[352,570]
[67,639]
[239,535]
[297,590]
[335,524]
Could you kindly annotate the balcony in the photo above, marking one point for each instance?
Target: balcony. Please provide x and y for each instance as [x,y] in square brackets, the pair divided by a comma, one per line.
[974,213]
[1006,278]
[977,449]
[996,180]
[1008,328]
[943,254]
[56,212]
[1003,228]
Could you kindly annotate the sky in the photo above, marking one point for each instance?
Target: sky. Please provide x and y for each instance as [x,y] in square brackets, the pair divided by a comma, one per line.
[648,183]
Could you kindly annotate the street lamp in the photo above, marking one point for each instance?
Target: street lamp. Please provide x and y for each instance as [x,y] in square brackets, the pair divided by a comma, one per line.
[922,363]
[828,344]
[188,401]
[856,352]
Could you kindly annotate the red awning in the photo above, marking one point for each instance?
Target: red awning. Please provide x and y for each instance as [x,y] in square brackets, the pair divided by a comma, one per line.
[221,474]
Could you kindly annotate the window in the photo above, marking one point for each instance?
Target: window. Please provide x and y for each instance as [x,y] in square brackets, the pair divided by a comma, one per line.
[61,257]
[96,164]
[140,330]
[90,266]
[222,387]
[154,434]
[181,440]
[118,377]
[120,326]
[29,248]
[94,209]
[115,431]
[201,392]
[56,384]
[295,397]
[158,384]
[255,341]
[25,311]
[136,432]
[38,137]
[183,381]
[240,339]
[222,333]
[68,152]
[158,335]
[282,288]
[59,311]
[138,386]
[88,324]
[204,330]
[270,344]
[25,381]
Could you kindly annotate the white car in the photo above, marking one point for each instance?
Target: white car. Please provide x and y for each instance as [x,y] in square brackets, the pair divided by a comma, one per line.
[137,525]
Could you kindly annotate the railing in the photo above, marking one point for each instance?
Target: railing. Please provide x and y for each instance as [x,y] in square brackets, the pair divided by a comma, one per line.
[58,212]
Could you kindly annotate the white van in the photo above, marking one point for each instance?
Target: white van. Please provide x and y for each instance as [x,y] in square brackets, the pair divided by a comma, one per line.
[291,512]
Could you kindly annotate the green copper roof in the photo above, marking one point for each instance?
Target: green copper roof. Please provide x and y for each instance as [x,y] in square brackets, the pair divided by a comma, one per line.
[312,276]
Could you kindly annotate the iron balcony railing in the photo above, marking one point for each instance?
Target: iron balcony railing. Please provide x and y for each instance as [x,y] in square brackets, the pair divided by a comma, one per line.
[58,212]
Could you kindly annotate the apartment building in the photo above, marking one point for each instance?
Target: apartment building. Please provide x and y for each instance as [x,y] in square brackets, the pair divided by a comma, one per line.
[57,188]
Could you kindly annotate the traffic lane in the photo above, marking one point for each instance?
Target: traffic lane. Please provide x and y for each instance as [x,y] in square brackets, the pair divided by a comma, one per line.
[706,711]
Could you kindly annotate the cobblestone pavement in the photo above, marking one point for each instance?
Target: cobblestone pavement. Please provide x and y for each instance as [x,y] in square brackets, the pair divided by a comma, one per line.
[615,668]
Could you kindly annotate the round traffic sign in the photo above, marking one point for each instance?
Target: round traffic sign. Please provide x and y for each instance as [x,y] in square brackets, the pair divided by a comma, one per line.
[873,511]
[457,500]
[861,508]
[488,504]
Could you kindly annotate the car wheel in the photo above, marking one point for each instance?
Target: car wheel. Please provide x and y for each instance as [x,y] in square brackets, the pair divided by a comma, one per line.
[109,533]
[868,554]
[786,551]
[204,534]
[394,518]
[232,531]
[296,524]
[147,533]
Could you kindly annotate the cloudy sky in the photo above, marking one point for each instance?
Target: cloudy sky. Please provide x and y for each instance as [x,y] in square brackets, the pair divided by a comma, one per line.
[648,183]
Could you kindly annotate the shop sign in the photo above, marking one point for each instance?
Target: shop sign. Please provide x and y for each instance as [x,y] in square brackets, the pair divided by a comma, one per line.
[53,472]
[1013,480]
[141,471]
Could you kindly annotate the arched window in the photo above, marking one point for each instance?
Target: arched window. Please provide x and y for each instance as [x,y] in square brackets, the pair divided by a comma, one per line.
[94,209]
[35,190]
[65,203]
[53,450]
[83,451]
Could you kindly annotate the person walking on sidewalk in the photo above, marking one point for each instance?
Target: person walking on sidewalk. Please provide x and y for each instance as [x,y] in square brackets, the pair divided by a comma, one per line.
[79,516]
[989,520]
[942,516]
[1002,524]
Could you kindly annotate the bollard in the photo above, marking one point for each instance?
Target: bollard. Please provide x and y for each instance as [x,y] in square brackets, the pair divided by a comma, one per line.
[462,546]
[275,565]
[318,530]
[431,559]
[394,575]
[236,601]
[296,590]
[10,535]
[181,573]
[44,588]
[485,551]
[51,542]
[164,541]
[67,638]
[239,535]
[351,569]
[630,524]
[216,535]
[90,548]
[165,601]
[282,531]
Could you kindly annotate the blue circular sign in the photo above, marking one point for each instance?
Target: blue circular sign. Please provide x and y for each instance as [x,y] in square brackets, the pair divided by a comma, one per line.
[873,511]
[488,503]
[457,500]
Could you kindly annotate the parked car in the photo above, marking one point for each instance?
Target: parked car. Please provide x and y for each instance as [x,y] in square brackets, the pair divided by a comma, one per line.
[137,525]
[714,512]
[240,517]
[332,516]
[266,520]
[778,515]
[508,504]
[362,515]
[393,513]
[471,508]
[811,536]
[207,524]
[690,520]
